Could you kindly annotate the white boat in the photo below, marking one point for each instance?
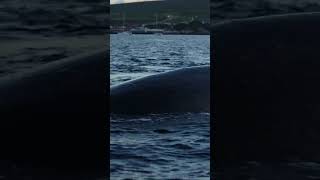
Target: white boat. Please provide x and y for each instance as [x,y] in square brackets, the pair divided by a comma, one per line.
[143,30]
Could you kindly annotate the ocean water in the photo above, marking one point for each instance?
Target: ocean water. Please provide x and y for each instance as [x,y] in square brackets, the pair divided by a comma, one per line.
[134,56]
[158,146]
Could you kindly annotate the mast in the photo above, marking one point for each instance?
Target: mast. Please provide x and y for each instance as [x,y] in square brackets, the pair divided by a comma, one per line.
[123,20]
[156,21]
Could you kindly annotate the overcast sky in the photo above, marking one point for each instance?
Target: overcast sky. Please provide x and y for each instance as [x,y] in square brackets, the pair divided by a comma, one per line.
[125,1]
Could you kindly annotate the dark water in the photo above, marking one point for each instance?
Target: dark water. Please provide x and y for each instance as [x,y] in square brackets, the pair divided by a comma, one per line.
[163,146]
[160,146]
[135,56]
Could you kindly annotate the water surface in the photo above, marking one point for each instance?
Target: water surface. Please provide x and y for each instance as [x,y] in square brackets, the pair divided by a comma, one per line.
[134,56]
[162,146]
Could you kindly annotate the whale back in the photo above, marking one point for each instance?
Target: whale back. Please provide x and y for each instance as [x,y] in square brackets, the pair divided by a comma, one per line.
[266,95]
[55,113]
[183,90]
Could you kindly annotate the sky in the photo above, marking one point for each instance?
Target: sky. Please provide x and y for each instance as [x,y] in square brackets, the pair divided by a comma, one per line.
[126,1]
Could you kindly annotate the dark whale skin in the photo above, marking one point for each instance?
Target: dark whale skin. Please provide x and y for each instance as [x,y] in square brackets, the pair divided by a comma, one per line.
[266,89]
[178,91]
[54,118]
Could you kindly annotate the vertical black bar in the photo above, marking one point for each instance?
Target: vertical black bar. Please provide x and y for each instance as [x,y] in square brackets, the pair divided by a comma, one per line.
[212,107]
[54,90]
[266,100]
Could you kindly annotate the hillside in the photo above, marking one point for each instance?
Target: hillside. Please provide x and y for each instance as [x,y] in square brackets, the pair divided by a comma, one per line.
[233,9]
[177,10]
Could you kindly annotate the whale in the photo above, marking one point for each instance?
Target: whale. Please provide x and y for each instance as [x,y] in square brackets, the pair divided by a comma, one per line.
[53,117]
[178,91]
[266,100]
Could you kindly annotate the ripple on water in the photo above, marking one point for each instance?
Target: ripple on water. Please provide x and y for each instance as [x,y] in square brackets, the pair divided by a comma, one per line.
[167,146]
[153,54]
[160,148]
